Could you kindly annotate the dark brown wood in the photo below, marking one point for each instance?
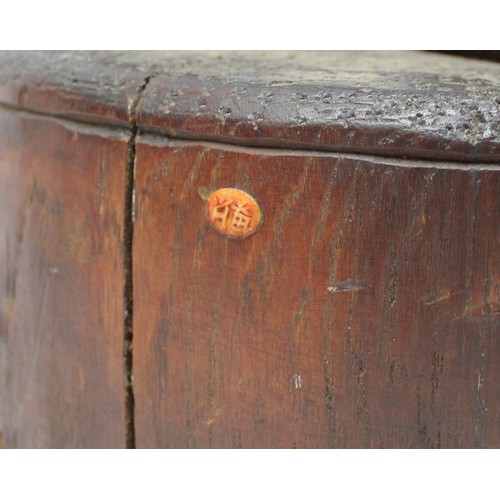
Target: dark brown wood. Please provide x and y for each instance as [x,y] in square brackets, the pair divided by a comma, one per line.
[364,313]
[404,104]
[93,87]
[61,283]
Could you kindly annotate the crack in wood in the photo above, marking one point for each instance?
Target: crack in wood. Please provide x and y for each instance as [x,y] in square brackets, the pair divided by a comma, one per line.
[128,237]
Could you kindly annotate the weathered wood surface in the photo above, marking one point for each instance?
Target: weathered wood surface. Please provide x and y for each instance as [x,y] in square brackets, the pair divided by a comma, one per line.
[364,313]
[385,103]
[61,283]
[86,86]
[404,104]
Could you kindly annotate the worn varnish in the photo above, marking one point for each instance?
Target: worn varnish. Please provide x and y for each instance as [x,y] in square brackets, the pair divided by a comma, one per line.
[61,283]
[405,104]
[365,313]
[91,87]
[402,104]
[365,310]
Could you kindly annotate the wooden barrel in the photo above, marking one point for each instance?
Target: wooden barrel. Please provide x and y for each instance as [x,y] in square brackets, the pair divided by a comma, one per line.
[257,250]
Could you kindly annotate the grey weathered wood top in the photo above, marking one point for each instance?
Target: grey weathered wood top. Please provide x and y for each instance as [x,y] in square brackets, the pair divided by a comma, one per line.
[405,104]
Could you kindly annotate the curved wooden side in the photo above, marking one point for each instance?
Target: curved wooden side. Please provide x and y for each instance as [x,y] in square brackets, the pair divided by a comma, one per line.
[364,313]
[61,284]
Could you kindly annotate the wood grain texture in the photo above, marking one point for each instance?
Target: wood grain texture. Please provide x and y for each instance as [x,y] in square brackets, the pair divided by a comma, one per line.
[88,86]
[404,104]
[364,313]
[61,283]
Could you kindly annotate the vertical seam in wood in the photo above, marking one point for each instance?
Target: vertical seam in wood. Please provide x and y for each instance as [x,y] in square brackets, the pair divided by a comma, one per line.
[128,296]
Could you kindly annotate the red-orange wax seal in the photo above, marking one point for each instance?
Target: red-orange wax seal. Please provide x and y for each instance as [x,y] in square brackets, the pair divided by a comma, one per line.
[234,213]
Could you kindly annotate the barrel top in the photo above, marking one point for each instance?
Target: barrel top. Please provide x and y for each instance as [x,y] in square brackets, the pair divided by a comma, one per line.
[402,104]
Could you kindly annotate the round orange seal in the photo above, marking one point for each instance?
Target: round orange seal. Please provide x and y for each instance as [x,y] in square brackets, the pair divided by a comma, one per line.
[234,213]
